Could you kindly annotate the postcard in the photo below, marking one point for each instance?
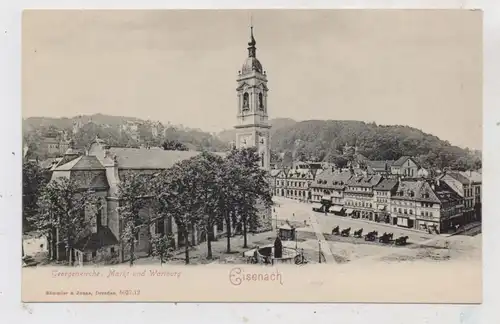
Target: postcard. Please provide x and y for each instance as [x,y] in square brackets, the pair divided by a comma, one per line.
[252,156]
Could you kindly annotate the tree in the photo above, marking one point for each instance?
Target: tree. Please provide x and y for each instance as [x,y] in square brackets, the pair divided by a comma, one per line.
[210,181]
[173,145]
[250,187]
[134,198]
[338,160]
[179,196]
[162,247]
[34,179]
[66,207]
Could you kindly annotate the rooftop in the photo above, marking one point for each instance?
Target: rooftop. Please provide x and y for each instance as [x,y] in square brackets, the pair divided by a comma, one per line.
[386,185]
[153,158]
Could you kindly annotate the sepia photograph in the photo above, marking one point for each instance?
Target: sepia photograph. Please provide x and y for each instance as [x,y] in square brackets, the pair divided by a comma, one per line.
[326,155]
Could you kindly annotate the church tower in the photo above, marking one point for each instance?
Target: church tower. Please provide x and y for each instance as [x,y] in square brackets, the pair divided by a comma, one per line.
[253,127]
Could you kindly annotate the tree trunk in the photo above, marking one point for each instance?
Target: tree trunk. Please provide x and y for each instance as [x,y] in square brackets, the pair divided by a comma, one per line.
[53,239]
[228,234]
[186,245]
[132,252]
[209,243]
[245,242]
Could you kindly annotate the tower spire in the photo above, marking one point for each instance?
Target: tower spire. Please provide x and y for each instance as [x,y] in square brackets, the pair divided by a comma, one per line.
[251,45]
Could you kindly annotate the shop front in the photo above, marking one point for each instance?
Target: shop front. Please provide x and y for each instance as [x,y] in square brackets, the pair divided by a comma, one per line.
[337,210]
[429,226]
[405,222]
[382,215]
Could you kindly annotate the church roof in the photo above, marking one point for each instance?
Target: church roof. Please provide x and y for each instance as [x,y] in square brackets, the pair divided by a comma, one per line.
[84,162]
[150,159]
[251,64]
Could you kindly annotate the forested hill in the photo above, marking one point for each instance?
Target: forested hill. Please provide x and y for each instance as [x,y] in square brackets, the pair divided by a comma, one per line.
[324,140]
[109,127]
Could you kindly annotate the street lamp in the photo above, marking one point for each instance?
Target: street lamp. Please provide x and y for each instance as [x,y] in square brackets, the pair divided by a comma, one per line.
[295,234]
[319,251]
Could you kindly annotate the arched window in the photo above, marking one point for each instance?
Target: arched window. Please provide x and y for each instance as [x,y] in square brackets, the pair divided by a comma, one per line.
[246,103]
[261,102]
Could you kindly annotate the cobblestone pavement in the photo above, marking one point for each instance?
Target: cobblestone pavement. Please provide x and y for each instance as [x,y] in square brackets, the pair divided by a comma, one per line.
[298,212]
[352,249]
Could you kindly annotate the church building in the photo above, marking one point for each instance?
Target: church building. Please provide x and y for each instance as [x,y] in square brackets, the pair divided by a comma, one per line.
[103,167]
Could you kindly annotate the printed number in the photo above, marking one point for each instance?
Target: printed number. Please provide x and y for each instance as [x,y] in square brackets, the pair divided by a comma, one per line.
[130,292]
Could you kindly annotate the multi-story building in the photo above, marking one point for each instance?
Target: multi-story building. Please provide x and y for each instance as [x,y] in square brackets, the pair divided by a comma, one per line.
[461,185]
[359,196]
[405,166]
[297,184]
[273,174]
[425,205]
[467,184]
[476,179]
[281,182]
[55,144]
[328,189]
[382,194]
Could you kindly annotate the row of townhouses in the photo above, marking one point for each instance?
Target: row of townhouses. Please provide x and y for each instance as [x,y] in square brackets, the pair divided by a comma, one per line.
[400,193]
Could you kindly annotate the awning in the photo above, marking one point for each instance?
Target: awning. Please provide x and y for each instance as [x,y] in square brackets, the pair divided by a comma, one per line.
[336,208]
[317,206]
[326,198]
[349,211]
[381,207]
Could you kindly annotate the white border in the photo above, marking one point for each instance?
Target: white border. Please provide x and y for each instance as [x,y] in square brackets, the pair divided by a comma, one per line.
[12,310]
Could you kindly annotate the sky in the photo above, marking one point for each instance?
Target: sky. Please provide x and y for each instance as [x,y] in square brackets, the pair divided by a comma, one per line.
[420,68]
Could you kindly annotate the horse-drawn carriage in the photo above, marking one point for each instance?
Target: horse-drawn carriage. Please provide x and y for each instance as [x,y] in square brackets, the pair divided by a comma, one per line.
[401,240]
[386,238]
[371,236]
[358,233]
[345,232]
[336,230]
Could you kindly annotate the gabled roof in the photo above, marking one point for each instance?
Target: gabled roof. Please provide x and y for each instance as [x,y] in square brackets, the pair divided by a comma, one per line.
[379,166]
[332,179]
[84,162]
[300,173]
[458,176]
[153,158]
[422,190]
[473,176]
[399,162]
[364,181]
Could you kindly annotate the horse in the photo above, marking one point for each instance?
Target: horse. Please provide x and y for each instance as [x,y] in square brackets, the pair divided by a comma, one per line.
[345,232]
[371,236]
[358,233]
[335,230]
[401,240]
[384,238]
